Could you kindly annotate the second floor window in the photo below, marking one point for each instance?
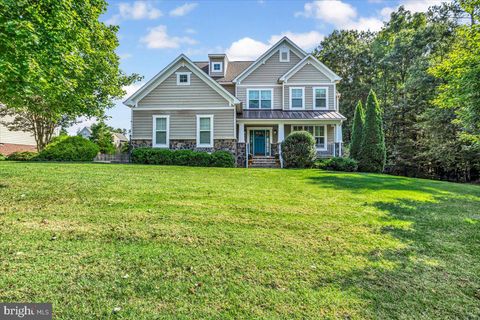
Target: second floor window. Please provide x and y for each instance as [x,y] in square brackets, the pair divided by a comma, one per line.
[320,95]
[183,78]
[259,99]
[297,99]
[217,67]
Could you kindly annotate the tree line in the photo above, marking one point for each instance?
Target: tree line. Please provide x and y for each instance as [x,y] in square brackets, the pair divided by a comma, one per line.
[425,69]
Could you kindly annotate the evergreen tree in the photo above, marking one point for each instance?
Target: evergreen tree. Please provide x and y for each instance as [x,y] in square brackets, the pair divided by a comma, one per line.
[102,136]
[372,153]
[357,131]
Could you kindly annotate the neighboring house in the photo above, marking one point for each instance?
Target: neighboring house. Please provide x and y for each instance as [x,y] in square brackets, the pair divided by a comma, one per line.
[244,107]
[13,141]
[86,132]
[117,138]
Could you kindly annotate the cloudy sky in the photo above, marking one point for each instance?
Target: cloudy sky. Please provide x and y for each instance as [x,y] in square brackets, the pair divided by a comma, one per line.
[153,33]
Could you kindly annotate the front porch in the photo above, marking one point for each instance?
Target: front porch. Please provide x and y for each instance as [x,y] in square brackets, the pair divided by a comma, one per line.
[261,140]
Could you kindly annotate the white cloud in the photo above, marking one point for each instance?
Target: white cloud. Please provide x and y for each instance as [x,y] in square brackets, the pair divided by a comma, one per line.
[340,14]
[137,10]
[183,9]
[334,12]
[250,49]
[190,31]
[420,6]
[158,38]
[124,56]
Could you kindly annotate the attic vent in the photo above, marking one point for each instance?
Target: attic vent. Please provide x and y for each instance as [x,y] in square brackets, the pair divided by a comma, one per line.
[284,55]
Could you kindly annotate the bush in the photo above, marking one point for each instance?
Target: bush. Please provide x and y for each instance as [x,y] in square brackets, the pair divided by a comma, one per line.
[65,148]
[22,156]
[222,159]
[182,157]
[337,164]
[298,150]
[2,157]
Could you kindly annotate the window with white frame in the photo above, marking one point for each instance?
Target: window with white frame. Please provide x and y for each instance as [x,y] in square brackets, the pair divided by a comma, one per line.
[259,98]
[284,55]
[297,98]
[320,98]
[205,131]
[217,67]
[161,131]
[318,132]
[183,78]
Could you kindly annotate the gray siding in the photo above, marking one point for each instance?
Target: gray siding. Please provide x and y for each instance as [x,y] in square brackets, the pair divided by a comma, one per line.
[277,95]
[169,94]
[272,70]
[309,95]
[183,123]
[15,137]
[308,74]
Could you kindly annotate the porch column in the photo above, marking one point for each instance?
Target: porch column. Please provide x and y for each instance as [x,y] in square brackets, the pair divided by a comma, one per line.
[241,133]
[281,132]
[339,138]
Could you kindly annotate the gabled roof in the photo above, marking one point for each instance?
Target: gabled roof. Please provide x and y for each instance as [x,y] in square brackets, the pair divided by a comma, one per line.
[233,70]
[270,52]
[314,62]
[167,71]
[120,136]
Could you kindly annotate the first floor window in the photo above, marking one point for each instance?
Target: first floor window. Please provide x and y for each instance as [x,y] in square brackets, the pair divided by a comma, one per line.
[205,131]
[318,133]
[320,95]
[160,131]
[296,98]
[259,99]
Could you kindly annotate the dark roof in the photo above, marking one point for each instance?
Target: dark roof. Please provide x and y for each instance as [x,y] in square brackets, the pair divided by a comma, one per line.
[297,115]
[234,68]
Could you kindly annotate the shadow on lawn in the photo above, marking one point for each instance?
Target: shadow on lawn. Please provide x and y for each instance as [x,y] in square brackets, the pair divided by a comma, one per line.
[435,273]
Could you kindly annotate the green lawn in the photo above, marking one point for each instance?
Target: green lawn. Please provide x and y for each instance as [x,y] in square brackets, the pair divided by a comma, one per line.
[180,242]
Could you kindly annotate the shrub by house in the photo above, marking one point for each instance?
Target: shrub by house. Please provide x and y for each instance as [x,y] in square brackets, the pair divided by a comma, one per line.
[298,150]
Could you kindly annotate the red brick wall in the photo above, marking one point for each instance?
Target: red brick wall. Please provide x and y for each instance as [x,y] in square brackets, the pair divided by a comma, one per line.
[7,148]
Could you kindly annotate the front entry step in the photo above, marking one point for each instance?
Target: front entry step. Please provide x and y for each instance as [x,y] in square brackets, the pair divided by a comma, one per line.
[263,162]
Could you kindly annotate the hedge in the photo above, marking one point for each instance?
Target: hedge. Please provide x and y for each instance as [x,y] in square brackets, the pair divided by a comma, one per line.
[22,156]
[182,157]
[337,164]
[65,148]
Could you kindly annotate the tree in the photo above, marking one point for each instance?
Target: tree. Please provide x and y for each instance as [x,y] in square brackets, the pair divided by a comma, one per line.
[102,136]
[349,54]
[57,63]
[357,131]
[372,155]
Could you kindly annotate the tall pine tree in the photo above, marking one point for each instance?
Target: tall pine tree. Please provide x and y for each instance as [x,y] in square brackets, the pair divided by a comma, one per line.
[372,153]
[357,131]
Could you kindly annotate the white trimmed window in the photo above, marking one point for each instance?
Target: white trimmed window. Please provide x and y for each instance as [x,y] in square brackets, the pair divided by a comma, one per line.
[161,134]
[205,131]
[320,95]
[183,78]
[318,132]
[217,67]
[284,55]
[297,98]
[259,98]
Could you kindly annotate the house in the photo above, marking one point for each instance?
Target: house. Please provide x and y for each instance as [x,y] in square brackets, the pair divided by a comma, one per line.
[86,132]
[244,107]
[118,139]
[15,141]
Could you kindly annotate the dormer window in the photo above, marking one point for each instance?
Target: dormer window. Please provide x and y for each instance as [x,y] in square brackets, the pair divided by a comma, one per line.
[183,78]
[217,67]
[284,55]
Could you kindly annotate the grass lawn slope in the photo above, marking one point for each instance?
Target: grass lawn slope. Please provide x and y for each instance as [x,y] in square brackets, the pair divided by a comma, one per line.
[184,243]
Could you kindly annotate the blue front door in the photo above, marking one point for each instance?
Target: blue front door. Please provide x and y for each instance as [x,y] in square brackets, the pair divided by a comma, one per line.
[259,145]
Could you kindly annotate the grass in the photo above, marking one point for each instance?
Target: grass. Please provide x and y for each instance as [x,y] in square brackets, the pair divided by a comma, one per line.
[183,243]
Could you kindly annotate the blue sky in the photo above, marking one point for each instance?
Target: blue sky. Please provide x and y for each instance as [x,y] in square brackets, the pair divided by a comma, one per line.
[152,33]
